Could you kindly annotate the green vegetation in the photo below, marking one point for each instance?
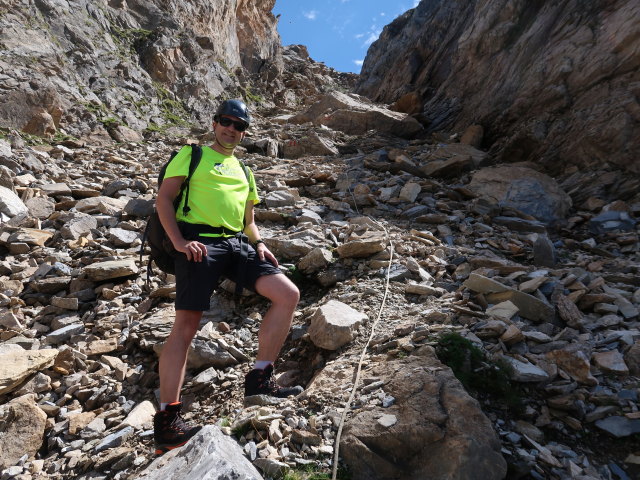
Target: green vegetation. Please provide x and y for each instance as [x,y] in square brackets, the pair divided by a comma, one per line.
[29,139]
[251,96]
[103,115]
[241,430]
[130,38]
[476,372]
[61,137]
[295,275]
[141,105]
[110,122]
[312,472]
[173,111]
[155,128]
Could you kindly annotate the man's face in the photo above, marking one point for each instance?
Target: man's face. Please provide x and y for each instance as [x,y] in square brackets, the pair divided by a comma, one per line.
[228,136]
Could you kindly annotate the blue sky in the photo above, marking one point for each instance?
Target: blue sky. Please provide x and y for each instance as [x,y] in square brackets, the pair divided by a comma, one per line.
[337,32]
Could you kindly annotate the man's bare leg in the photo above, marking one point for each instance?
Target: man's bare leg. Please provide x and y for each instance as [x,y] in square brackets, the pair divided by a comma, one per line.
[284,296]
[173,359]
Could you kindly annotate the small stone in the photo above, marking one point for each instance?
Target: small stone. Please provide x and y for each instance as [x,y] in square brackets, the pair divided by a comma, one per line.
[388,420]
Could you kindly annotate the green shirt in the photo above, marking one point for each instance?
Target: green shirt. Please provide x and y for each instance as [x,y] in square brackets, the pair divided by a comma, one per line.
[218,190]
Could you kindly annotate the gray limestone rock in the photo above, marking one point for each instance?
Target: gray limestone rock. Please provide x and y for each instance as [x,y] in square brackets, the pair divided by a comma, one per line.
[334,324]
[78,225]
[529,306]
[619,426]
[210,455]
[10,203]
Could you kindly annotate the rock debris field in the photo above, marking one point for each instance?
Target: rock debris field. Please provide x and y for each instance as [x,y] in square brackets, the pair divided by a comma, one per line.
[536,273]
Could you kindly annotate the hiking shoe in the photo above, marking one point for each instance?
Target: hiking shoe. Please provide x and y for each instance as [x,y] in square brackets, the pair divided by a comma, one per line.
[262,382]
[169,429]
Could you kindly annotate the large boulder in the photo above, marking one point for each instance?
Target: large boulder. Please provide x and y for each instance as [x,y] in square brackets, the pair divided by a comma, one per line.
[210,455]
[356,115]
[21,430]
[334,324]
[523,189]
[433,430]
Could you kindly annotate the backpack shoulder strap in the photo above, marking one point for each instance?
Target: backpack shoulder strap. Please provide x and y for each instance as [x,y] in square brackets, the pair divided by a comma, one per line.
[196,155]
[245,169]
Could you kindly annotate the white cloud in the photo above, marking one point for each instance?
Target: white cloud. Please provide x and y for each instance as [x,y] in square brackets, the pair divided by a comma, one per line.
[358,62]
[373,36]
[382,14]
[311,15]
[415,3]
[358,36]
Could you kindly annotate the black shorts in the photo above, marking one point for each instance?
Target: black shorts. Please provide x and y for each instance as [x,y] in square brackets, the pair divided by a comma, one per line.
[196,281]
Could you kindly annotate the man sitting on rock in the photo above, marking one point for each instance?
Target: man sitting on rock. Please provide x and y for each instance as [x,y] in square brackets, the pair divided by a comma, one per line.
[211,241]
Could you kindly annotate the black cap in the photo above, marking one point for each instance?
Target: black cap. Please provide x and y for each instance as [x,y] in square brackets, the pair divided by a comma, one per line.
[235,108]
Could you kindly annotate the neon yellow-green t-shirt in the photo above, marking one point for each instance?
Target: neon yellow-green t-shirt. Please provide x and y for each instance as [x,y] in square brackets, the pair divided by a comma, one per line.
[218,189]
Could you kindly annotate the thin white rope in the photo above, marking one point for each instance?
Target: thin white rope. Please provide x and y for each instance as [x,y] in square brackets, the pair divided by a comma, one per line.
[364,351]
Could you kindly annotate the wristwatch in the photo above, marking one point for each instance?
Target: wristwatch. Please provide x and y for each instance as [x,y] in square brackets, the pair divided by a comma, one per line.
[255,245]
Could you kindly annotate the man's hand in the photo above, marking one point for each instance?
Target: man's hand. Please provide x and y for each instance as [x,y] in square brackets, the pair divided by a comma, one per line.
[192,249]
[265,254]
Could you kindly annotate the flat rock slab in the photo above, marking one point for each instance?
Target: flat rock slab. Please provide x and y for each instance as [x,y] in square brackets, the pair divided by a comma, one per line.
[619,426]
[111,269]
[16,366]
[529,306]
[30,236]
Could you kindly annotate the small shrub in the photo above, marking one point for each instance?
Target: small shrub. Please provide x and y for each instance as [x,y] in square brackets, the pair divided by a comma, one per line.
[476,372]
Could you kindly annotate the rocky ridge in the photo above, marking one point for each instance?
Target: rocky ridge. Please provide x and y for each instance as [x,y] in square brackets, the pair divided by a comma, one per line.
[558,301]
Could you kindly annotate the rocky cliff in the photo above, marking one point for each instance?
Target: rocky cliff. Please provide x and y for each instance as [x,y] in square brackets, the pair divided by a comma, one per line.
[115,69]
[552,82]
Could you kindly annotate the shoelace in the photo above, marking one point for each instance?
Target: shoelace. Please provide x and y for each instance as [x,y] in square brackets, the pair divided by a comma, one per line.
[175,423]
[269,383]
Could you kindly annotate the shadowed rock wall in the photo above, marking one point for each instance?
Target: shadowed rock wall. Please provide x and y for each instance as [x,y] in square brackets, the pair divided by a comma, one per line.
[556,82]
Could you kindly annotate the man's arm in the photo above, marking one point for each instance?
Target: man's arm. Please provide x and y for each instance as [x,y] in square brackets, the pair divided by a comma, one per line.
[252,232]
[164,206]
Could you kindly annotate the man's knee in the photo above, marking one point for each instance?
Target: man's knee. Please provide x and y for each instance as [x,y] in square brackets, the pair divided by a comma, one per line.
[279,289]
[187,323]
[287,293]
[294,294]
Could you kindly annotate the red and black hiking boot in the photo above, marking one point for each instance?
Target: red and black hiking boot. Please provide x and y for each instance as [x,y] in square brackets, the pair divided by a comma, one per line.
[169,429]
[262,382]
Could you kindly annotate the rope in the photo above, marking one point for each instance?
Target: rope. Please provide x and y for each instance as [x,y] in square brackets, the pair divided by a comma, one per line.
[364,351]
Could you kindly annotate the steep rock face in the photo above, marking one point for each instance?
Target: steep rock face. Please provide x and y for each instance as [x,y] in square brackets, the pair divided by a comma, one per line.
[553,82]
[87,66]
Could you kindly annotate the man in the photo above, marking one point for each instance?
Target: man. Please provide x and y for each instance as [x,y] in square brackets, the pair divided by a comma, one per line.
[209,245]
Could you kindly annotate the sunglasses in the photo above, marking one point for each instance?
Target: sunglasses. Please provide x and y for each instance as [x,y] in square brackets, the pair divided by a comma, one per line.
[239,126]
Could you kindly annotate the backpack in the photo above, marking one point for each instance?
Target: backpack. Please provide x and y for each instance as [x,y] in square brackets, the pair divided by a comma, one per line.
[162,252]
